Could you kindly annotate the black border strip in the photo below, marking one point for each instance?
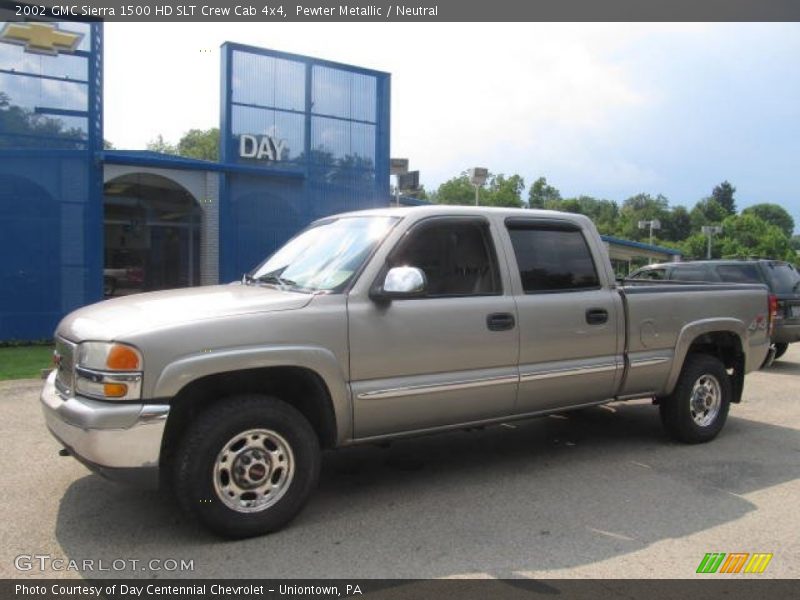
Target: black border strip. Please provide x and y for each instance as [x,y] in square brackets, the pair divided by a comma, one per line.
[416,11]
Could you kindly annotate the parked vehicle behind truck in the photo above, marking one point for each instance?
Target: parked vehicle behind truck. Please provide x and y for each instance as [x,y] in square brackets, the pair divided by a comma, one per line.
[374,325]
[781,278]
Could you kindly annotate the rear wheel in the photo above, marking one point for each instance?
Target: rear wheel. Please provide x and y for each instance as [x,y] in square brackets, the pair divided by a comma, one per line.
[698,407]
[247,466]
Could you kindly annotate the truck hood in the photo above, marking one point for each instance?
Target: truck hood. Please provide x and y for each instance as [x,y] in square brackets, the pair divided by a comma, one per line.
[113,319]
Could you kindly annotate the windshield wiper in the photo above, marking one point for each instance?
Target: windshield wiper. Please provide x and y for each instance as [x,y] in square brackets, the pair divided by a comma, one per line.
[272,278]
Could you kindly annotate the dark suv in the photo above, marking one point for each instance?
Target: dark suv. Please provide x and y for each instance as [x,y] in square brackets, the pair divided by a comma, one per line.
[782,279]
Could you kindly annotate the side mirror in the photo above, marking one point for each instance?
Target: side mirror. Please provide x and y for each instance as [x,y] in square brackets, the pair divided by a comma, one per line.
[402,282]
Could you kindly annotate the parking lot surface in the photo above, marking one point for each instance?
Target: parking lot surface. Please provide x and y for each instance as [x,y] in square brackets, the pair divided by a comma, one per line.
[597,493]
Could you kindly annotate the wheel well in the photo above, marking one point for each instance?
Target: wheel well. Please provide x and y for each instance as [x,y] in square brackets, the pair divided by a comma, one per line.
[727,347]
[300,387]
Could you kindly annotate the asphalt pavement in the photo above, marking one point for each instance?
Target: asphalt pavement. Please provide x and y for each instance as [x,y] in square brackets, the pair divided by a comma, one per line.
[597,493]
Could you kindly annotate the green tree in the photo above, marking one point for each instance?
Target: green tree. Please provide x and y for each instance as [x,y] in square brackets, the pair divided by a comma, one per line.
[159,144]
[694,246]
[707,212]
[200,143]
[748,235]
[457,190]
[499,191]
[541,193]
[773,214]
[642,207]
[723,194]
[743,235]
[677,226]
[504,191]
[604,213]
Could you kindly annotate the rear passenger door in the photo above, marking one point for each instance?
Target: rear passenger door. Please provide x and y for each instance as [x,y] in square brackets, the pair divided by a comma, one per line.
[570,353]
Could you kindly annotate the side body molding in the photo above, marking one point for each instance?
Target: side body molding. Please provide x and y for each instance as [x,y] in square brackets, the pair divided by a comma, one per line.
[183,371]
[691,331]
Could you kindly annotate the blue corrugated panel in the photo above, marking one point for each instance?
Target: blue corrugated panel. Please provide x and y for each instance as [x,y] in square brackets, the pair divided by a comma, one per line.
[50,185]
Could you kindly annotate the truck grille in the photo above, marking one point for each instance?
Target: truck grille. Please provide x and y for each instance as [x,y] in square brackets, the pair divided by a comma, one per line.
[65,365]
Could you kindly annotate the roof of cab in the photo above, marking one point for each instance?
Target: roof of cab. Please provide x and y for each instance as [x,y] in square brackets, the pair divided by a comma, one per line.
[447,209]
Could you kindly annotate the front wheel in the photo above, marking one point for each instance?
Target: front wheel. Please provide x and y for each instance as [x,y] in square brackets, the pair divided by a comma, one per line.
[247,466]
[780,349]
[698,407]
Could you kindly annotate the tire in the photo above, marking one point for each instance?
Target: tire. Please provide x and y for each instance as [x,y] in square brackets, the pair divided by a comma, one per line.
[693,423]
[780,349]
[246,466]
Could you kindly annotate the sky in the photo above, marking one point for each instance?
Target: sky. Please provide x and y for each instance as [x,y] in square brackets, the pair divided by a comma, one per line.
[606,110]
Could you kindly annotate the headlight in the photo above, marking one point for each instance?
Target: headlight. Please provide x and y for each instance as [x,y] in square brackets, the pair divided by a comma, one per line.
[108,371]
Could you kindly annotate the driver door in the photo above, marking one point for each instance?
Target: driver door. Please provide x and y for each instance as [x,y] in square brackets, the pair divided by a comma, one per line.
[447,357]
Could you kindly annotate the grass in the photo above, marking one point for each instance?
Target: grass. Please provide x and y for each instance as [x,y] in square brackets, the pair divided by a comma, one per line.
[24,362]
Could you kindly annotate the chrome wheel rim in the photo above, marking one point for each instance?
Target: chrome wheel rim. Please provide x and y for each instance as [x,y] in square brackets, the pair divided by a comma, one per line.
[253,470]
[706,400]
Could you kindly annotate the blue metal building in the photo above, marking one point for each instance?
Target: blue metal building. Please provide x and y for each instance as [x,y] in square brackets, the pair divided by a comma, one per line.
[300,138]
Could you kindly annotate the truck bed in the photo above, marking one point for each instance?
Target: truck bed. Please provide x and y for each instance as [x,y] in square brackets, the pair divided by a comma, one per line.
[663,319]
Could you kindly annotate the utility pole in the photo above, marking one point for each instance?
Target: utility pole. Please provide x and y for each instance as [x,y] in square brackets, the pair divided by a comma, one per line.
[710,231]
[652,224]
[477,177]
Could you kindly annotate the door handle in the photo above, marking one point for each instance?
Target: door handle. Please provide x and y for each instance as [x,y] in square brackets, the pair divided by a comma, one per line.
[596,316]
[500,321]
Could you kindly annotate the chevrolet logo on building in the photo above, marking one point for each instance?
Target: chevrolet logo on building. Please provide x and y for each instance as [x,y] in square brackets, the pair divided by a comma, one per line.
[41,38]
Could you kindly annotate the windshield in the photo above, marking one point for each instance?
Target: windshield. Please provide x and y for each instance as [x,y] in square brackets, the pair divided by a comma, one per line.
[325,256]
[783,277]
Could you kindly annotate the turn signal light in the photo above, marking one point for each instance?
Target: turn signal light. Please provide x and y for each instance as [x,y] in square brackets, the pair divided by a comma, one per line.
[122,358]
[115,390]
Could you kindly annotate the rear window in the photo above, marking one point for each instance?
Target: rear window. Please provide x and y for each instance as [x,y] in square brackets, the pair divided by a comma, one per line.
[783,277]
[739,274]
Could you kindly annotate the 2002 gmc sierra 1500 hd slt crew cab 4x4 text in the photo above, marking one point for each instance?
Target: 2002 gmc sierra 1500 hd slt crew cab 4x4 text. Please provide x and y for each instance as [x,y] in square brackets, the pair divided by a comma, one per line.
[379,324]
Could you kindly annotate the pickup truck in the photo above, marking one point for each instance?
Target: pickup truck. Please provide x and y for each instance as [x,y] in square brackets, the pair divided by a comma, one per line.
[378,324]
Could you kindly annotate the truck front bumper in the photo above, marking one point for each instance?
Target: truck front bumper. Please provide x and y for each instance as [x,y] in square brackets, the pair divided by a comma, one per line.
[121,441]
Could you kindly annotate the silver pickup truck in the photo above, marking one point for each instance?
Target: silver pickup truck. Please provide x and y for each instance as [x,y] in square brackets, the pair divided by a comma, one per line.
[373,325]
